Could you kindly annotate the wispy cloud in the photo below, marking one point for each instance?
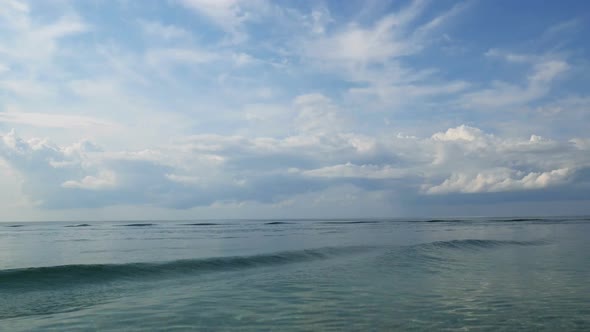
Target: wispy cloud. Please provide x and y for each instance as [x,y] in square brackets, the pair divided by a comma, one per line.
[502,94]
[165,31]
[229,15]
[53,120]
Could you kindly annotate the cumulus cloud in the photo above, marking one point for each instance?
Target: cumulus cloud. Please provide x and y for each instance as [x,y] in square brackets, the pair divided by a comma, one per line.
[461,133]
[104,180]
[204,169]
[498,180]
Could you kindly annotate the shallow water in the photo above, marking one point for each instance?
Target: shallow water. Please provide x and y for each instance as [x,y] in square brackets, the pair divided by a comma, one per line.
[471,274]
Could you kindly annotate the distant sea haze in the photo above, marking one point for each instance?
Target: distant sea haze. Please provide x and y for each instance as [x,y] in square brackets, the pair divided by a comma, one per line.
[526,274]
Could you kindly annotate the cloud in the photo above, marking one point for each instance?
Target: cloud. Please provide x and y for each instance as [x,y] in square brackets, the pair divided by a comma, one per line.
[503,94]
[511,57]
[104,180]
[394,35]
[581,143]
[28,40]
[499,180]
[319,19]
[179,56]
[461,133]
[212,104]
[229,15]
[364,45]
[164,31]
[374,57]
[53,120]
[400,93]
[203,170]
[317,113]
[349,170]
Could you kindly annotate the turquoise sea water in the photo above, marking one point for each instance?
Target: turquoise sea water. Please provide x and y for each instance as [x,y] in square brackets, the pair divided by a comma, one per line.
[480,274]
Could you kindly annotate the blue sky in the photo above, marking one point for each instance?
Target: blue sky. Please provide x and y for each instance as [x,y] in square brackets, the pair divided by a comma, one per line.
[231,108]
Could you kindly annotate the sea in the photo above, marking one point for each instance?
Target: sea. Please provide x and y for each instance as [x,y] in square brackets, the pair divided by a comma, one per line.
[463,274]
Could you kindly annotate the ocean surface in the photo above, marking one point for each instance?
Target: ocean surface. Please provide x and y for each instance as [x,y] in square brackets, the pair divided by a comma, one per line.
[512,274]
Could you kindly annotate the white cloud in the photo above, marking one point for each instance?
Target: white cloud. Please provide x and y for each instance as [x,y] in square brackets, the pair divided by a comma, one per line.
[186,56]
[17,5]
[499,180]
[95,87]
[104,180]
[361,45]
[319,19]
[223,12]
[511,57]
[229,15]
[164,31]
[243,59]
[311,104]
[400,93]
[581,143]
[394,35]
[53,120]
[204,169]
[373,57]
[463,132]
[27,88]
[502,94]
[349,170]
[33,42]
[317,114]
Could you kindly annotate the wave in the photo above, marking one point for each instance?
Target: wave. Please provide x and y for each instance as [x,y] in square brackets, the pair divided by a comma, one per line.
[67,275]
[444,220]
[523,219]
[439,256]
[15,226]
[485,220]
[138,225]
[278,223]
[201,224]
[78,225]
[352,222]
[475,220]
[473,244]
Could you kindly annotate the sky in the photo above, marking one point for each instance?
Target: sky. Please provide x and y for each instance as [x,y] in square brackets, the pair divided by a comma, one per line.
[197,109]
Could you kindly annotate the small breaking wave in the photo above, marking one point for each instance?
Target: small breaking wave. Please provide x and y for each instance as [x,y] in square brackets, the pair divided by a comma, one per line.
[78,225]
[68,275]
[201,224]
[138,225]
[444,220]
[474,244]
[438,256]
[351,222]
[523,219]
